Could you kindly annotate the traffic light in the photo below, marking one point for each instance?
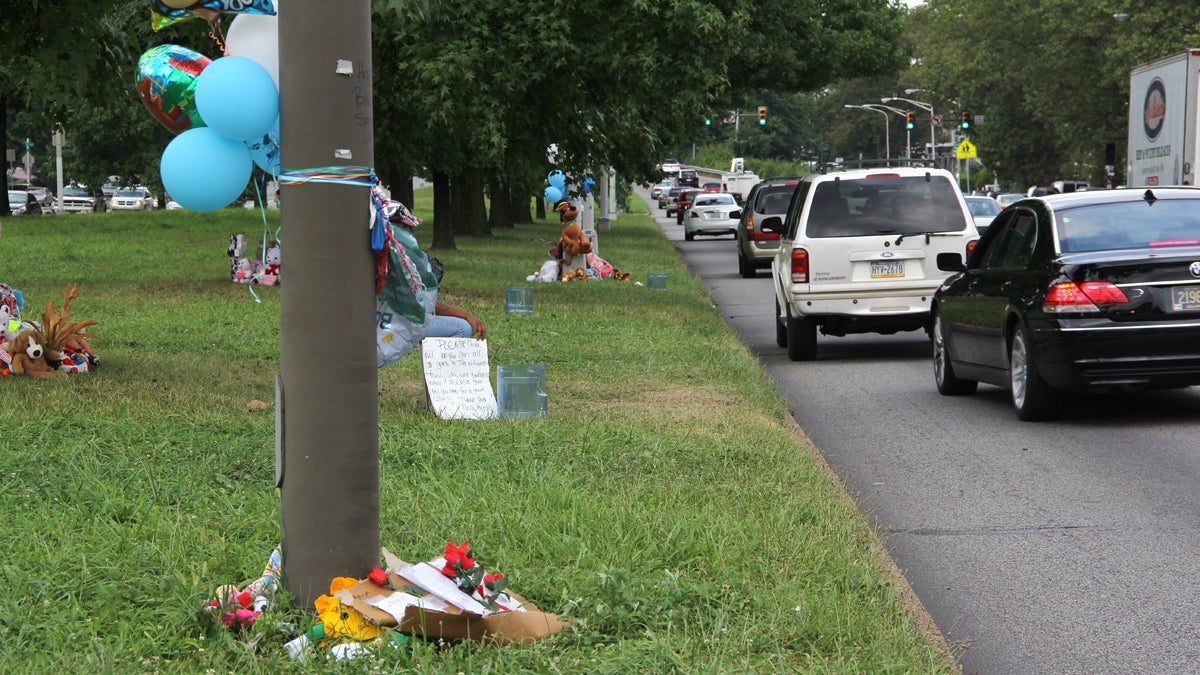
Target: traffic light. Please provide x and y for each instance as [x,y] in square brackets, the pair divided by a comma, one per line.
[966,119]
[762,114]
[910,120]
[708,121]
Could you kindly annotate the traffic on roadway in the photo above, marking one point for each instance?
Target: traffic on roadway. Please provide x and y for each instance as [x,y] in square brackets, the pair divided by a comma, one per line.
[1067,545]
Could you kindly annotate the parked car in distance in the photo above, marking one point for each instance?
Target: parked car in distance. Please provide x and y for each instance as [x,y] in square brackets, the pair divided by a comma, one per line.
[132,199]
[983,210]
[711,187]
[684,201]
[688,178]
[711,214]
[22,202]
[1082,291]
[659,188]
[172,205]
[1006,198]
[757,248]
[81,199]
[670,166]
[858,251]
[1065,186]
[667,199]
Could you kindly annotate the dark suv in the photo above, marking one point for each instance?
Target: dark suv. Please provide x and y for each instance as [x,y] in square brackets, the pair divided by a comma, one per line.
[755,247]
[688,178]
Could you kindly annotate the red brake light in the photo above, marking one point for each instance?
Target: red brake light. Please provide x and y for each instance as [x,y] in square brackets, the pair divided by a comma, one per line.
[971,248]
[883,175]
[1069,296]
[799,266]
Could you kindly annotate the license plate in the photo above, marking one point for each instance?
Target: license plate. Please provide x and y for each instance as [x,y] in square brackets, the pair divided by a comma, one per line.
[1185,298]
[885,270]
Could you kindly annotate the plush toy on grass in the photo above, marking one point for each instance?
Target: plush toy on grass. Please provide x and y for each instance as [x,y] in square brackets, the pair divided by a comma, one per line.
[56,346]
[29,356]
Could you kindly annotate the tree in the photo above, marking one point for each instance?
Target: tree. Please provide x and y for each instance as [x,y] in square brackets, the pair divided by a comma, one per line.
[1051,78]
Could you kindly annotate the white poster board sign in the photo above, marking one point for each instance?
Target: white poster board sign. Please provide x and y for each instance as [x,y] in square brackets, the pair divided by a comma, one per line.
[457,378]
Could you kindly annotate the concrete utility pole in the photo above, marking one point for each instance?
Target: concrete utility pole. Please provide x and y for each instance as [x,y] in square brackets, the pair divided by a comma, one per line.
[328,402]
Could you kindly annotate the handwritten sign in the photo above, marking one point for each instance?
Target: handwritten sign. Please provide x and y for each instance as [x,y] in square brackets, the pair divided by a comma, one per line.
[456,378]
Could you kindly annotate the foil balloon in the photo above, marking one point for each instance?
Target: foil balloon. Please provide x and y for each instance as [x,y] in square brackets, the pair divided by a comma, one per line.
[167,85]
[166,12]
[265,150]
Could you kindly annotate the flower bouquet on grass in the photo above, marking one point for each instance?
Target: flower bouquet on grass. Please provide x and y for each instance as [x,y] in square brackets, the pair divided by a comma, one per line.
[451,598]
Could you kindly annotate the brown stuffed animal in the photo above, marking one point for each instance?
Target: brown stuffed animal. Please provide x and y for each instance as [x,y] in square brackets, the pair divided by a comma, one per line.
[29,356]
[570,244]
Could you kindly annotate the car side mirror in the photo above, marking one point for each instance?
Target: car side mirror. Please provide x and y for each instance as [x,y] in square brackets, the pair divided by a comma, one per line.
[950,262]
[772,224]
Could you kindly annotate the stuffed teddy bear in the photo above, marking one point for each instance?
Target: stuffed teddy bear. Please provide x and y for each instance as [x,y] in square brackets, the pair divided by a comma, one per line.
[29,356]
[270,272]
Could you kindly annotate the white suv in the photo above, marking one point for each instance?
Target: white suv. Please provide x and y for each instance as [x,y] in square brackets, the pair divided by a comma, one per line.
[858,252]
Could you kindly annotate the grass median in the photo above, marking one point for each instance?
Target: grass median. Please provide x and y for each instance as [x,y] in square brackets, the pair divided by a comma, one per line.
[667,506]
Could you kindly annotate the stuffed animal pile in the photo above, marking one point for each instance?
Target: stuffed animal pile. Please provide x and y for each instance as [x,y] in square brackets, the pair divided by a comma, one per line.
[52,348]
[263,270]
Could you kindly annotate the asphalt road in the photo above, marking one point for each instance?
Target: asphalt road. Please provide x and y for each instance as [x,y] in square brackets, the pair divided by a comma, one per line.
[1062,547]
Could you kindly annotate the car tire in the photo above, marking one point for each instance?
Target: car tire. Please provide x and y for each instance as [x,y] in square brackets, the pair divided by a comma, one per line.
[780,328]
[746,268]
[688,235]
[1032,398]
[670,213]
[801,338]
[948,384]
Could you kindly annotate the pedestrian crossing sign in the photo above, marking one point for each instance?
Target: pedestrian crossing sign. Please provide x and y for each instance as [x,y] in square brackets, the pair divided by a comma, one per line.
[965,150]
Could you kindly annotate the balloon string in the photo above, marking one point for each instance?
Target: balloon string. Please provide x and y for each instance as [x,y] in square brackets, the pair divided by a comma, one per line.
[217,36]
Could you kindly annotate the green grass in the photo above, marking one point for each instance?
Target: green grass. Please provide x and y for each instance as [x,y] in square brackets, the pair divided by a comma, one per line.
[667,506]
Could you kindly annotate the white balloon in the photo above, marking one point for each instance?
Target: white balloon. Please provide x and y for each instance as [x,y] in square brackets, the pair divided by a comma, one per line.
[256,37]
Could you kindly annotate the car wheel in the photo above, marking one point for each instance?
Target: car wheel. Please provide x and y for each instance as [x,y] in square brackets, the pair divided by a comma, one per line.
[670,213]
[948,384]
[801,338]
[1033,399]
[780,329]
[745,267]
[688,235]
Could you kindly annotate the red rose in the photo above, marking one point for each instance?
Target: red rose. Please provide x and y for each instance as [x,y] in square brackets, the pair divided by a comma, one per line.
[458,558]
[378,576]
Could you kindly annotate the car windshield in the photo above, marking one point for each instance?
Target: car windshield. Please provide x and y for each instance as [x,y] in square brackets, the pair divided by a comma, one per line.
[983,207]
[75,192]
[130,193]
[774,200]
[713,200]
[885,204]
[15,197]
[1141,224]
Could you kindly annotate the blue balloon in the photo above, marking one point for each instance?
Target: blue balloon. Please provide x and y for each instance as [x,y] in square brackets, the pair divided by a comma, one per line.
[203,170]
[553,194]
[265,150]
[558,180]
[587,185]
[238,98]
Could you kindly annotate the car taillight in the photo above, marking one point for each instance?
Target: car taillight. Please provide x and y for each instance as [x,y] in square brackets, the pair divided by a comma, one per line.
[970,248]
[799,266]
[1069,296]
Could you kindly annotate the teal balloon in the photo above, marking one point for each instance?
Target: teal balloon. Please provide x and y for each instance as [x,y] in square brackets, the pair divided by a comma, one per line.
[204,170]
[553,194]
[265,150]
[237,97]
[558,180]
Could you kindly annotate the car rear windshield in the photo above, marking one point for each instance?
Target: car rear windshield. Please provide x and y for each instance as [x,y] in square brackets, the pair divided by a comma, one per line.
[1140,224]
[774,200]
[885,204]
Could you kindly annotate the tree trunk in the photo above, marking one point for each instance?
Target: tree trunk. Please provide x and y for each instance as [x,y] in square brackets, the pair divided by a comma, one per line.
[443,218]
[468,205]
[541,208]
[4,210]
[501,214]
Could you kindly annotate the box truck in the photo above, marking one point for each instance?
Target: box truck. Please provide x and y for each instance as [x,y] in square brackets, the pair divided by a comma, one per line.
[1162,121]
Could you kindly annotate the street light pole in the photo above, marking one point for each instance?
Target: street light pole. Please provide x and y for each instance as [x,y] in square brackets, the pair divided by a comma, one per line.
[924,106]
[887,140]
[907,131]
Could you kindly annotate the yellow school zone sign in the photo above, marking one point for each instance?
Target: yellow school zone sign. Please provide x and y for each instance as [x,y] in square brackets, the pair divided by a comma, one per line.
[965,150]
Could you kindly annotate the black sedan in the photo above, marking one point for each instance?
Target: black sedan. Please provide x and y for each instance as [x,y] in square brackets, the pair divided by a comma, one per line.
[1081,291]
